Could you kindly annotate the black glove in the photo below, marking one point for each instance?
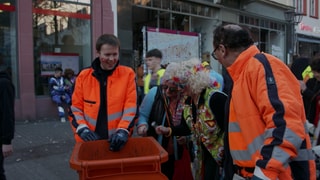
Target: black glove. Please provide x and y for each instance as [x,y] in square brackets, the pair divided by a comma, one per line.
[118,140]
[87,135]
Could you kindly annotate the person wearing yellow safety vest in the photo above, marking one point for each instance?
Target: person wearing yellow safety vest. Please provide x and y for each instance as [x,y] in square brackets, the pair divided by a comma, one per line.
[205,117]
[307,74]
[153,62]
[311,90]
[300,68]
[104,101]
[266,134]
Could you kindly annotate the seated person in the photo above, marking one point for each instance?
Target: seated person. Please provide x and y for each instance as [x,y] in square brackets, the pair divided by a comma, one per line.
[58,93]
[69,80]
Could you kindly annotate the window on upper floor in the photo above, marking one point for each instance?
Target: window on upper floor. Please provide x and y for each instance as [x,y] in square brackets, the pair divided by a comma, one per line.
[314,8]
[231,3]
[301,6]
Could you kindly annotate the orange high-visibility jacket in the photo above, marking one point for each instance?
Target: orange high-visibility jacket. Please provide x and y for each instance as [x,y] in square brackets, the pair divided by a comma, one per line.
[267,130]
[121,99]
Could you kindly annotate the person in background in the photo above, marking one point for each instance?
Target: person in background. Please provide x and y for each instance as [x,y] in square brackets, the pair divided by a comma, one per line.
[58,92]
[69,80]
[311,94]
[153,62]
[160,116]
[205,117]
[299,66]
[7,116]
[266,135]
[104,100]
[214,75]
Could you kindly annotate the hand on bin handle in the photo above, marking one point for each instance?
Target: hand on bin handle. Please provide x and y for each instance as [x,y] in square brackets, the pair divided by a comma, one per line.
[87,135]
[118,140]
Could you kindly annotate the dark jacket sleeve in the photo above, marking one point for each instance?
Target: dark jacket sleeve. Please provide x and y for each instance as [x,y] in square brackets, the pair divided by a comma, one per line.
[311,89]
[7,111]
[217,105]
[181,130]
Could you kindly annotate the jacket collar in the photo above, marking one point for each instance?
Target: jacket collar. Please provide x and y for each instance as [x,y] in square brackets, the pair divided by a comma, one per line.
[242,60]
[98,72]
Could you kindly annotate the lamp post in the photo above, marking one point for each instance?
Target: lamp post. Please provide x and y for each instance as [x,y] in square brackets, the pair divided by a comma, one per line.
[293,18]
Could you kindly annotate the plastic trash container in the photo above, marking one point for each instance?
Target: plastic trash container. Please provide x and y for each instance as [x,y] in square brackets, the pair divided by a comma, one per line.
[140,158]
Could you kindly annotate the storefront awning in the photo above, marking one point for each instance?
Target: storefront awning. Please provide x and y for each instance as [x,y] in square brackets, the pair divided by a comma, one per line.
[309,40]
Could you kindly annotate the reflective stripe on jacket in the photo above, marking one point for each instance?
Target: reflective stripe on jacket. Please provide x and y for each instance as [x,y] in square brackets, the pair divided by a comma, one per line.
[267,130]
[121,99]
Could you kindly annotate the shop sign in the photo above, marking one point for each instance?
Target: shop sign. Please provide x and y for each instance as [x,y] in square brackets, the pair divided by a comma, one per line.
[304,27]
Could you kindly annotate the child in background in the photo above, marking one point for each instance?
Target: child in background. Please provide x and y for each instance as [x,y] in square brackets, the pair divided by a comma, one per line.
[58,92]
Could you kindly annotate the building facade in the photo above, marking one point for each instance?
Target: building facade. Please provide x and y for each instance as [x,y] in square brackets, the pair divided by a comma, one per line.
[308,30]
[264,18]
[38,35]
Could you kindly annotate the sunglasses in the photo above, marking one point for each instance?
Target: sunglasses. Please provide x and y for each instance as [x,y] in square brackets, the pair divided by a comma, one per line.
[171,89]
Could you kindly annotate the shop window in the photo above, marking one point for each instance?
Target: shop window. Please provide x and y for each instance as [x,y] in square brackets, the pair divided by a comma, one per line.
[276,44]
[263,44]
[61,38]
[177,6]
[8,39]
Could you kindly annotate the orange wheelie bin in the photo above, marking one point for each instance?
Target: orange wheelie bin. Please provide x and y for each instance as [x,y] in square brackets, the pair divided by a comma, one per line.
[140,158]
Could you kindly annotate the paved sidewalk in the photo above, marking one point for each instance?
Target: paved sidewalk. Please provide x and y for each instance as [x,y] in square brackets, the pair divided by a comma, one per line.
[42,150]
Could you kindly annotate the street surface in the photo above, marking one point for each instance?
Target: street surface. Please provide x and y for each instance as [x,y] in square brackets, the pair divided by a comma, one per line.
[42,150]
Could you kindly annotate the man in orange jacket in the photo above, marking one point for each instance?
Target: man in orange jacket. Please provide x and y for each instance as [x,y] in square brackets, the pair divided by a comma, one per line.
[104,101]
[266,134]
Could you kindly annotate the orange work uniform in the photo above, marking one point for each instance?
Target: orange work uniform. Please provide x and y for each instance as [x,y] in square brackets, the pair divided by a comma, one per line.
[267,129]
[120,97]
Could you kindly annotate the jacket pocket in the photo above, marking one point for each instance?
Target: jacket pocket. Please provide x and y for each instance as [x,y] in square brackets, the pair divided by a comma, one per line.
[90,102]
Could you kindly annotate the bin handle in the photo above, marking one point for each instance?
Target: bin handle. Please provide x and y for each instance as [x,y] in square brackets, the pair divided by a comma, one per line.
[150,159]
